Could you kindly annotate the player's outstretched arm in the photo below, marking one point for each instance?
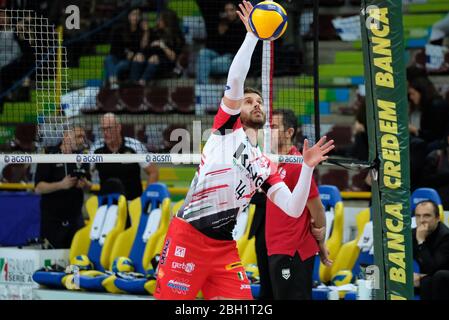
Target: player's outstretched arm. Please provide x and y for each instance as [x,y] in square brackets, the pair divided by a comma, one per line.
[293,203]
[240,65]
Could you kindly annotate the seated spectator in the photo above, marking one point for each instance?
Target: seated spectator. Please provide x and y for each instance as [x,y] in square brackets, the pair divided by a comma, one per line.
[159,56]
[129,173]
[414,71]
[428,113]
[125,44]
[431,252]
[221,45]
[16,53]
[435,173]
[62,188]
[418,152]
[359,148]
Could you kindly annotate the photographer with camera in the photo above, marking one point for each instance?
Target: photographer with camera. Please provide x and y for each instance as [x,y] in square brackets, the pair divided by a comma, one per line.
[62,187]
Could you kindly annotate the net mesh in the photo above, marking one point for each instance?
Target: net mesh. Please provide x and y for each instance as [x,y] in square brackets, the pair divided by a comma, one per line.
[157,69]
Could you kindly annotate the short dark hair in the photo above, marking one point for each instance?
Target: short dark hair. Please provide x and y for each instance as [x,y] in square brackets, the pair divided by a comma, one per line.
[289,119]
[436,210]
[253,90]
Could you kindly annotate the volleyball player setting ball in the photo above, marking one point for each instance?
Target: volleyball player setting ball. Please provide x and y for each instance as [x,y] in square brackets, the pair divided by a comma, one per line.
[199,252]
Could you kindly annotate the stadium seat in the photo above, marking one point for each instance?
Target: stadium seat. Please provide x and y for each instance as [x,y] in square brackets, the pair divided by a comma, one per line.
[366,246]
[349,252]
[107,218]
[176,207]
[16,173]
[358,181]
[157,99]
[150,216]
[336,177]
[326,29]
[107,101]
[333,204]
[348,258]
[183,99]
[167,141]
[25,136]
[131,99]
[342,135]
[245,246]
[422,194]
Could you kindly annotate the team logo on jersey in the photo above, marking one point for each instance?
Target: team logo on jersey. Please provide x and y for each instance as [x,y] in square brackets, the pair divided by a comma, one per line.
[180,252]
[286,273]
[241,275]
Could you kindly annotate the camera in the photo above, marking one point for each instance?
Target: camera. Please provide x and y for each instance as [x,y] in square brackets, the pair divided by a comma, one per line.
[78,173]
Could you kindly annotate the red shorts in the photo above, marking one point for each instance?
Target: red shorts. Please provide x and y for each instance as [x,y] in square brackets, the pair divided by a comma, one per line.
[191,261]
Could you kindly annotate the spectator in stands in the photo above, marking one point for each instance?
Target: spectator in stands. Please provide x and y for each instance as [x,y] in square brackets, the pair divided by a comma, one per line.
[16,53]
[435,173]
[359,148]
[414,72]
[62,187]
[125,44]
[221,45]
[129,174]
[161,49]
[431,252]
[428,114]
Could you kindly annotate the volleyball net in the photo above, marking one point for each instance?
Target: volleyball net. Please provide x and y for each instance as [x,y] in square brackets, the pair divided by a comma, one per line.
[154,74]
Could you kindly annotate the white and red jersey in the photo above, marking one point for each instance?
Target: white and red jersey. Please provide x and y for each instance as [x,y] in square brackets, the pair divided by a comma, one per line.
[231,171]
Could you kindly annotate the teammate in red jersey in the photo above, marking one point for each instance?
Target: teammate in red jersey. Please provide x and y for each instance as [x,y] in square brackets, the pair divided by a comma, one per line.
[199,252]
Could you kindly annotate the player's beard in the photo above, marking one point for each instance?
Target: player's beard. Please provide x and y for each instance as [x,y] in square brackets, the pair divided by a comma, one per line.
[254,122]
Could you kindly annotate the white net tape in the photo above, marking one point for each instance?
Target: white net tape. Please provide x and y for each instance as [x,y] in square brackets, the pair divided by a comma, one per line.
[125,158]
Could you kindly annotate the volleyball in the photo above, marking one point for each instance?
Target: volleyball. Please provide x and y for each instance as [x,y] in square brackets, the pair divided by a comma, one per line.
[122,264]
[342,277]
[82,262]
[268,20]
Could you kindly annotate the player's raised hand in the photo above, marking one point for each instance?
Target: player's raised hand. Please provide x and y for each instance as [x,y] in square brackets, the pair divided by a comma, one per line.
[313,156]
[245,9]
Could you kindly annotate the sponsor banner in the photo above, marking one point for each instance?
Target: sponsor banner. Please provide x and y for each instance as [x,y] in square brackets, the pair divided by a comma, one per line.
[387,118]
[18,265]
